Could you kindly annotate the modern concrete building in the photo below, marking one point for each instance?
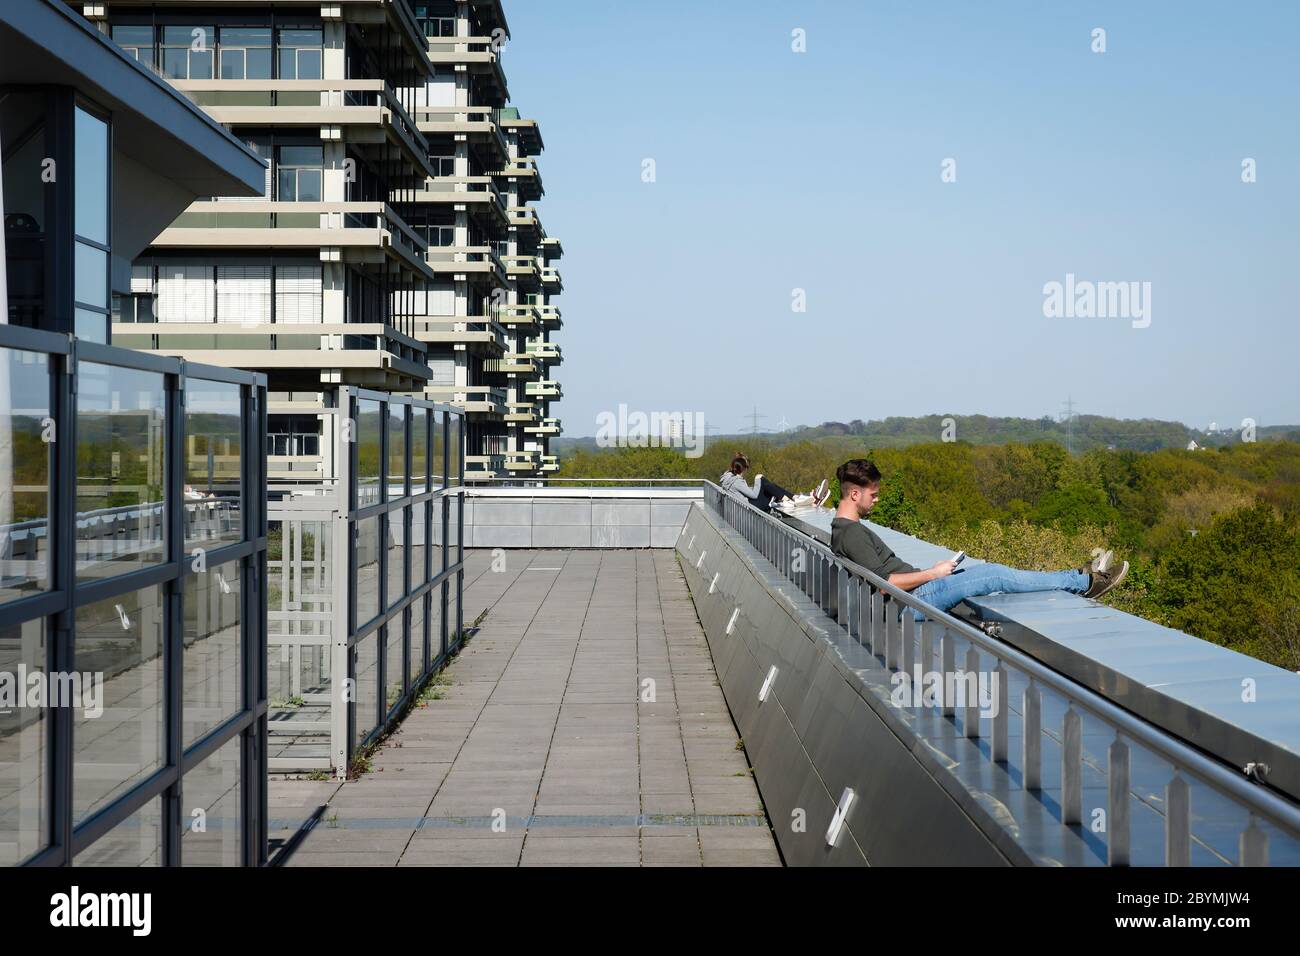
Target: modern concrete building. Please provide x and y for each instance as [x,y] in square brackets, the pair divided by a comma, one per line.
[491,312]
[393,234]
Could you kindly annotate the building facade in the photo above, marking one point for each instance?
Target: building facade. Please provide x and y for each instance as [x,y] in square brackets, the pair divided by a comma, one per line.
[394,246]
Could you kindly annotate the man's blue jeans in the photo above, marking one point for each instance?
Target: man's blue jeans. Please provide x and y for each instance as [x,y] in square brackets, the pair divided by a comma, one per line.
[946,593]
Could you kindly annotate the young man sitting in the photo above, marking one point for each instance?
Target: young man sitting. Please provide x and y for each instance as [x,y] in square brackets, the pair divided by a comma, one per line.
[945,585]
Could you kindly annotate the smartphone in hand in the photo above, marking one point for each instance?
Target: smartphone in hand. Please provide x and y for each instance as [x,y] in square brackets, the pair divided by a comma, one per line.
[958,558]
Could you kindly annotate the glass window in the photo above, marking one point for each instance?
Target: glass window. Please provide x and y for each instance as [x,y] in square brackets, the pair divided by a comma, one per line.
[119,730]
[121,433]
[137,41]
[419,542]
[369,423]
[213,684]
[210,810]
[213,423]
[90,282]
[394,666]
[24,731]
[396,557]
[187,52]
[367,565]
[455,426]
[367,685]
[416,662]
[300,174]
[300,54]
[437,450]
[90,173]
[136,841]
[246,53]
[27,429]
[90,326]
[419,450]
[396,451]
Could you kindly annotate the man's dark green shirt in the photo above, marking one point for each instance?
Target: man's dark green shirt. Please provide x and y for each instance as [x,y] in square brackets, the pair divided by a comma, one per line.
[855,541]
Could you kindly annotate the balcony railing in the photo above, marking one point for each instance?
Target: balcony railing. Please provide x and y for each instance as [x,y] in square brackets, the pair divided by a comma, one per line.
[1095,740]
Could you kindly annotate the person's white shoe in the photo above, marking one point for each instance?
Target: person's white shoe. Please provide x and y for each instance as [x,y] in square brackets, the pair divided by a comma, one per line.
[821,492]
[1102,560]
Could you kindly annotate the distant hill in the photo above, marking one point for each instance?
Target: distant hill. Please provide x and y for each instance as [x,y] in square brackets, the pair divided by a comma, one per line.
[1089,431]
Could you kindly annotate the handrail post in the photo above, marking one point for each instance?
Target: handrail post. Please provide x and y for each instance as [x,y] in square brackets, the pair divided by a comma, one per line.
[1072,768]
[1117,815]
[1178,822]
[1031,742]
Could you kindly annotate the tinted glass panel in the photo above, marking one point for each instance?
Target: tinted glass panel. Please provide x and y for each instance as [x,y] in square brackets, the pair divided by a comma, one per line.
[24,475]
[91,178]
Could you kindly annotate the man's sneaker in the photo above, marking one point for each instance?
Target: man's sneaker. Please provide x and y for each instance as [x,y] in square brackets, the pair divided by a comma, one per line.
[1103,581]
[821,492]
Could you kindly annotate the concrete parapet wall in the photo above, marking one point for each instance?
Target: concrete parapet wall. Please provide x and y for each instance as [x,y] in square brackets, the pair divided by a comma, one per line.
[827,724]
[576,517]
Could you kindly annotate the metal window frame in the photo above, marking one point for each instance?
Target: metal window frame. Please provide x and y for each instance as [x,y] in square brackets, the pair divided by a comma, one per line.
[437,580]
[57,605]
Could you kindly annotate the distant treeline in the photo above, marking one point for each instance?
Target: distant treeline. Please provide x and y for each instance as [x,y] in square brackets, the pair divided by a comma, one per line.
[1083,433]
[1213,536]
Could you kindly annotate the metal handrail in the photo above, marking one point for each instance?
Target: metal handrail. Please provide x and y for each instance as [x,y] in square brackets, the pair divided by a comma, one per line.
[839,587]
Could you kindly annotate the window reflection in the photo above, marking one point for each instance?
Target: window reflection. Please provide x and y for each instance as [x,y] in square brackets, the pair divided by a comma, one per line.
[120,638]
[212,463]
[120,470]
[212,684]
[24,730]
[25,431]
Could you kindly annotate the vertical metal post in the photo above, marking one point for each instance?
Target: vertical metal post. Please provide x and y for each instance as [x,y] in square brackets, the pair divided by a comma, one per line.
[1253,845]
[971,715]
[1178,822]
[1002,716]
[173,614]
[1032,740]
[1117,814]
[948,649]
[1072,768]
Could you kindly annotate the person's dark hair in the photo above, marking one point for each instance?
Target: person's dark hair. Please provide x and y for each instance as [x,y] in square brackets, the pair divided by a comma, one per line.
[857,471]
[739,464]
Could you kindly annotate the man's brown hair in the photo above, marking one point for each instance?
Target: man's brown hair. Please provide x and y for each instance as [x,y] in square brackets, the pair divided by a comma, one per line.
[857,471]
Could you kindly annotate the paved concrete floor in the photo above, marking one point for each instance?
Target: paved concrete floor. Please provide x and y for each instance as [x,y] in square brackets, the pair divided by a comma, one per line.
[541,750]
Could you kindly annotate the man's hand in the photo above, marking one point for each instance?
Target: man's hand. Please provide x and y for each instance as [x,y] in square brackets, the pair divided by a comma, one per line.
[942,570]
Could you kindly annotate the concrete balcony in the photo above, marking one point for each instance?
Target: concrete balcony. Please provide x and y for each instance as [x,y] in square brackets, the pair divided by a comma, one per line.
[474,333]
[368,354]
[367,234]
[461,262]
[549,315]
[517,461]
[362,112]
[519,316]
[550,464]
[477,124]
[526,131]
[551,280]
[520,364]
[547,352]
[485,401]
[484,466]
[547,426]
[480,56]
[526,177]
[525,219]
[523,413]
[524,270]
[477,195]
[551,249]
[543,389]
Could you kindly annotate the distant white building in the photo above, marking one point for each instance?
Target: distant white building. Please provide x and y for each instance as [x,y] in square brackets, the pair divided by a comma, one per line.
[1192,446]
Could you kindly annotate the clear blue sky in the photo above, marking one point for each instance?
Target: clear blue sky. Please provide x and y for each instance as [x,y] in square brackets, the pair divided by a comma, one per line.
[821,171]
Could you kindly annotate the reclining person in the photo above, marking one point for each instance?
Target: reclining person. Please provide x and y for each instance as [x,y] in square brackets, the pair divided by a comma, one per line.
[763,494]
[945,585]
